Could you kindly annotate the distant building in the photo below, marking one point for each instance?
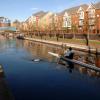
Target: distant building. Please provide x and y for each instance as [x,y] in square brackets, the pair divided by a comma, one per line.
[5,25]
[35,19]
[39,21]
[16,24]
[45,21]
[4,22]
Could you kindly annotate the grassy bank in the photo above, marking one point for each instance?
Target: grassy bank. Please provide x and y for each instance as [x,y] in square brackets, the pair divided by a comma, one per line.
[92,43]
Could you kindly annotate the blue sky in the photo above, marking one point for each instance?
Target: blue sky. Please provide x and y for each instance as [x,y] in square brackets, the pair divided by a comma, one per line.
[22,9]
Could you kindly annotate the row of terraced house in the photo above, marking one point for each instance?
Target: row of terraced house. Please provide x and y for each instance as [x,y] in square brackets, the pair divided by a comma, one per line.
[80,19]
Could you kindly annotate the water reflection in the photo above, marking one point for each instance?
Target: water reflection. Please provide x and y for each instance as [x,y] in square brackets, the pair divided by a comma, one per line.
[97,60]
[70,66]
[39,50]
[88,58]
[44,80]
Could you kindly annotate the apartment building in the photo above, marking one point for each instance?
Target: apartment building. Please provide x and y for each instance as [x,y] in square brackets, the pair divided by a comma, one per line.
[93,18]
[4,22]
[83,18]
[16,24]
[45,21]
[80,19]
[33,22]
[73,18]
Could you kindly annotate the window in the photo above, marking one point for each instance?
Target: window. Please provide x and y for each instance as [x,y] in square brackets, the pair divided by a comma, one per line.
[91,13]
[81,23]
[91,22]
[67,21]
[81,15]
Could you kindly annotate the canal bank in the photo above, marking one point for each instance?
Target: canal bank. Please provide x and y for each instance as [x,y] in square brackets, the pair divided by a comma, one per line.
[64,45]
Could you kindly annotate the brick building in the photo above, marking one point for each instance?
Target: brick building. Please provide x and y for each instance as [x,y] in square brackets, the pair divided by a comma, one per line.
[84,18]
[76,20]
[93,18]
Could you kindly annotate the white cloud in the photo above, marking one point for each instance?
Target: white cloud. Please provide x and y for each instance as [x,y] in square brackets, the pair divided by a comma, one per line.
[34,8]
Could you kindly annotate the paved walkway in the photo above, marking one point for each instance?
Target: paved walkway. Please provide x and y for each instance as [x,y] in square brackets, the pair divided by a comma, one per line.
[75,46]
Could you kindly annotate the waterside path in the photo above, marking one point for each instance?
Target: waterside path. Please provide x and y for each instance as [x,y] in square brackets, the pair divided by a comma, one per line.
[62,44]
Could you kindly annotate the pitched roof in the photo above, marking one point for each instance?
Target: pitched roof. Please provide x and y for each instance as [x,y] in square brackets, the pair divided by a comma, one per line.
[40,14]
[97,5]
[73,10]
[1,17]
[16,21]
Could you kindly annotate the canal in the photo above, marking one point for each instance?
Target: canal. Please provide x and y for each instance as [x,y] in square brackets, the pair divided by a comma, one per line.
[45,79]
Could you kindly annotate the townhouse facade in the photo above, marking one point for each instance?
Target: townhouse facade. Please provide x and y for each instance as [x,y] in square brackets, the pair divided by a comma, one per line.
[80,19]
[45,21]
[34,22]
[84,18]
[93,15]
[16,24]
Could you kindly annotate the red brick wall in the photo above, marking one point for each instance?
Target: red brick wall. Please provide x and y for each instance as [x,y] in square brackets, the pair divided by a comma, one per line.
[74,18]
[4,24]
[98,19]
[75,21]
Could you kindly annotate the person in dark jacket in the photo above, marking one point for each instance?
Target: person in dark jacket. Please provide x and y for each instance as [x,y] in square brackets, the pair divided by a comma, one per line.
[69,53]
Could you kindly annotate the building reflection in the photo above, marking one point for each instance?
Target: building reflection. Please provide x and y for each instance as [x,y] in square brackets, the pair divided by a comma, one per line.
[40,50]
[97,61]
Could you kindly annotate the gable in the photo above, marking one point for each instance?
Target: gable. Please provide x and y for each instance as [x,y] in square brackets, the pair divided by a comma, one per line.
[91,6]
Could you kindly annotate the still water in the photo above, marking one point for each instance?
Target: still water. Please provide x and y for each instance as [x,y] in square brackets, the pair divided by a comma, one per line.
[43,80]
